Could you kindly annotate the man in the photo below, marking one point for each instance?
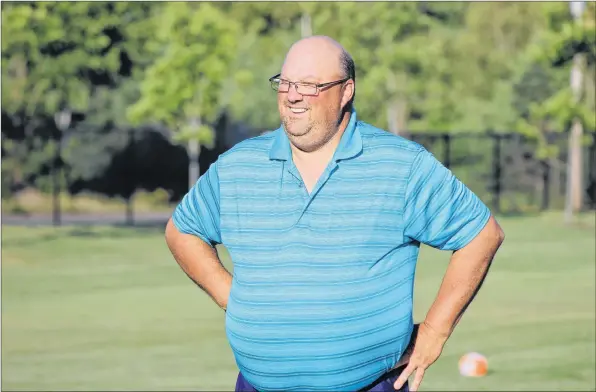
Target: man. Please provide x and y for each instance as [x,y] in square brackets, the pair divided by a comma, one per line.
[323,219]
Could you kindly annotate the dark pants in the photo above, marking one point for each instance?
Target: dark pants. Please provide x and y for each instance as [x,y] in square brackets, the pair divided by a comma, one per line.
[383,384]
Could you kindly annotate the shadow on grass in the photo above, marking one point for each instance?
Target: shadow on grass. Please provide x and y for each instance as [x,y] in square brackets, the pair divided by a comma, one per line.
[117,230]
[101,231]
[21,242]
[519,214]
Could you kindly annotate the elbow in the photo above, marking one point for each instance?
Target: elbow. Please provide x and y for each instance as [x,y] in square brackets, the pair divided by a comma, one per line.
[500,237]
[499,234]
[170,232]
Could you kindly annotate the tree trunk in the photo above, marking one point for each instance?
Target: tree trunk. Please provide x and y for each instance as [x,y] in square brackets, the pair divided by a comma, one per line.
[56,213]
[576,166]
[397,113]
[575,192]
[193,166]
[130,211]
[305,25]
[554,190]
[397,107]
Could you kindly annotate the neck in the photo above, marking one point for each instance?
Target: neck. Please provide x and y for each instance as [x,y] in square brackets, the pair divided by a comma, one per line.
[324,153]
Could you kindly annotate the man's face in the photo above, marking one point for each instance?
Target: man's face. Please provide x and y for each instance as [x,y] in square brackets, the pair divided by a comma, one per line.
[310,121]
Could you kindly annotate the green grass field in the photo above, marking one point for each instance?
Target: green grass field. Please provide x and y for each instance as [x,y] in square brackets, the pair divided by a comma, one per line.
[108,309]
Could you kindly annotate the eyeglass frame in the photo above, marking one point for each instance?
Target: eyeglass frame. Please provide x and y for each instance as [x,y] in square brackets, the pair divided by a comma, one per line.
[318,86]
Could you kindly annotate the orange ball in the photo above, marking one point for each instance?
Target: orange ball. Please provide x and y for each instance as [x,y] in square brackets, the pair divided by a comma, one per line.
[473,365]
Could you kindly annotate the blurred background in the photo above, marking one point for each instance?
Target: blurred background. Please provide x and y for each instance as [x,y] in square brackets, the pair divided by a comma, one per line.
[112,110]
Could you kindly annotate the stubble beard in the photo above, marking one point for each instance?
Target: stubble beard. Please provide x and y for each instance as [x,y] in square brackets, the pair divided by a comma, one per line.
[312,135]
[307,138]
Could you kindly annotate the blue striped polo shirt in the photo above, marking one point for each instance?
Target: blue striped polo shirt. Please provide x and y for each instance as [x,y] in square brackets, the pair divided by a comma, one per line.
[322,285]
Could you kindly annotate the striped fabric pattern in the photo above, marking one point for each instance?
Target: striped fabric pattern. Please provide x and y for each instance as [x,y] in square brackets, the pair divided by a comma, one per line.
[322,290]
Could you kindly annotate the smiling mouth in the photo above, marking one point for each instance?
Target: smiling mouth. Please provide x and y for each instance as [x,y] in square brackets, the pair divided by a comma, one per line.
[298,110]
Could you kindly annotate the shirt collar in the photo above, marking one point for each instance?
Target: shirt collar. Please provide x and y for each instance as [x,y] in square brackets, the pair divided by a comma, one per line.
[349,146]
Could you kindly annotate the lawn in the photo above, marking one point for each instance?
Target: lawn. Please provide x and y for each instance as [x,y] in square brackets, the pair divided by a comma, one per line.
[107,308]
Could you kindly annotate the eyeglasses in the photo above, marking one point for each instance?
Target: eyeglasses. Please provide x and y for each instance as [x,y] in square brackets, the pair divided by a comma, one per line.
[283,86]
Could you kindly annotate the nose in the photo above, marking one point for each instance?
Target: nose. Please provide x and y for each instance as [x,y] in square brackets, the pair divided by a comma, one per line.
[293,95]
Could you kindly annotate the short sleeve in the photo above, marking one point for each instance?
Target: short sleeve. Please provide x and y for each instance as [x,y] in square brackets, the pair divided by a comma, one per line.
[198,212]
[440,210]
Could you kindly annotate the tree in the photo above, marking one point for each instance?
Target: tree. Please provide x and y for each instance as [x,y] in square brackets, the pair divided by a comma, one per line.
[73,57]
[491,51]
[52,54]
[196,43]
[568,47]
[395,48]
[269,29]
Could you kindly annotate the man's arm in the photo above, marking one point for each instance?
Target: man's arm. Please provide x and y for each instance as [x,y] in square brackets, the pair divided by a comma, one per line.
[442,212]
[192,234]
[200,263]
[464,277]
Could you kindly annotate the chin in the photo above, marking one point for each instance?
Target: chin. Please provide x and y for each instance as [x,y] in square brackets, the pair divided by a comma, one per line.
[297,130]
[295,133]
[305,142]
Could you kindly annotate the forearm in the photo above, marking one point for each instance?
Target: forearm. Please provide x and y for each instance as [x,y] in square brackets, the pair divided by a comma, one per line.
[200,263]
[464,277]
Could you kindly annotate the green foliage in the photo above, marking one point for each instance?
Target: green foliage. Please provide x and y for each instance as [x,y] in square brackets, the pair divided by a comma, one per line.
[388,42]
[551,105]
[445,66]
[68,56]
[267,31]
[91,150]
[48,49]
[421,67]
[567,37]
[196,46]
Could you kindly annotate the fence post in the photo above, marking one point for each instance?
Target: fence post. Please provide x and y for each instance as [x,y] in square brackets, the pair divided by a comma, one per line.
[592,172]
[447,151]
[497,173]
[545,186]
[56,171]
[130,217]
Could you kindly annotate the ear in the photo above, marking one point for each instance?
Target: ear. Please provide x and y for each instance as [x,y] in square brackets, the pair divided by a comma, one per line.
[348,93]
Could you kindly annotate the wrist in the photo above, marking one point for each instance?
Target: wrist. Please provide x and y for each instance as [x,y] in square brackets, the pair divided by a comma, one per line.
[442,331]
